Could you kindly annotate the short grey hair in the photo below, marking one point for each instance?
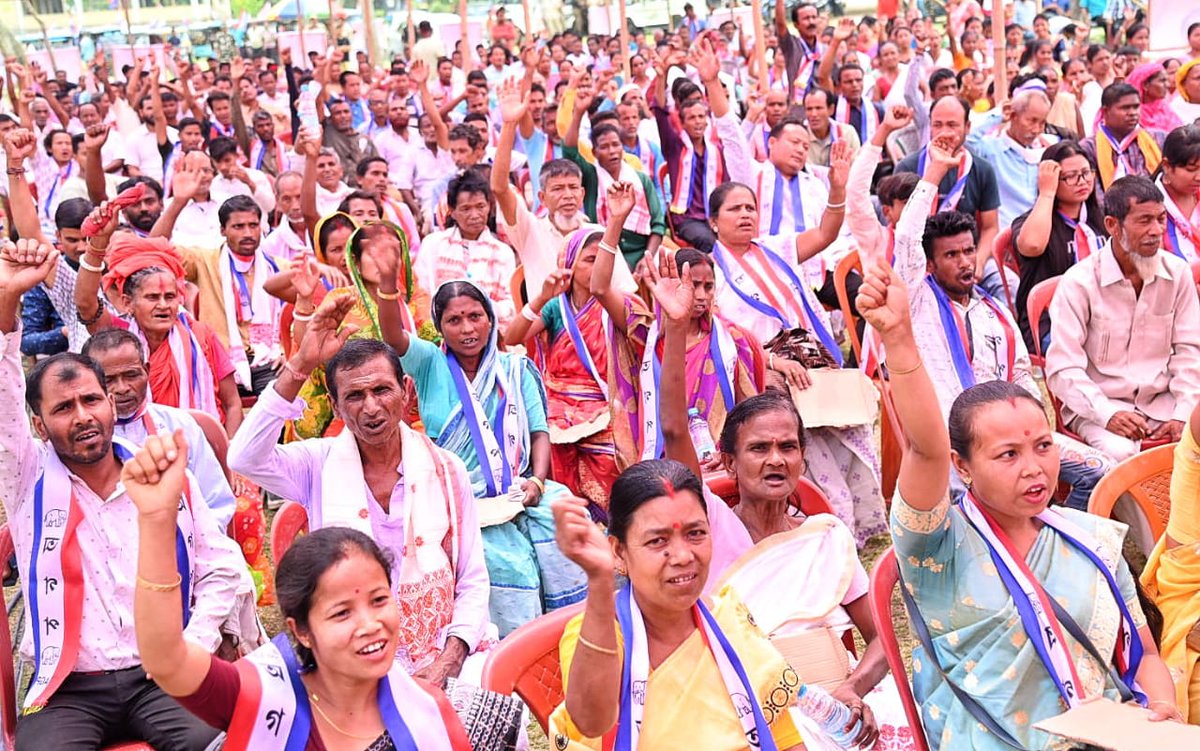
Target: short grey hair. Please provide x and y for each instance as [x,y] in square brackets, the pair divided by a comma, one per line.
[289,175]
[1022,99]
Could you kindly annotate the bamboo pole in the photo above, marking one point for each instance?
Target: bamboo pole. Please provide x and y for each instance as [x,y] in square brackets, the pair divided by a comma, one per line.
[412,30]
[528,22]
[624,39]
[760,44]
[999,62]
[368,17]
[468,60]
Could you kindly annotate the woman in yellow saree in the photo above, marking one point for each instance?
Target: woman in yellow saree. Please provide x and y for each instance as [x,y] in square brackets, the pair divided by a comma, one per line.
[360,258]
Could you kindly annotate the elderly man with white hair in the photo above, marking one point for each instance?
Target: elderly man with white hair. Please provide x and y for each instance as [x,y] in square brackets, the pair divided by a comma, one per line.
[1015,149]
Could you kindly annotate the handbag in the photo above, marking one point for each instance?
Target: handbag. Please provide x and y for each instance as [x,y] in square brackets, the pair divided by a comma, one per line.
[817,655]
[492,720]
[801,345]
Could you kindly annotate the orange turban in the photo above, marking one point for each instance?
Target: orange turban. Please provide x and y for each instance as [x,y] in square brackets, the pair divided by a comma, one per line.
[128,254]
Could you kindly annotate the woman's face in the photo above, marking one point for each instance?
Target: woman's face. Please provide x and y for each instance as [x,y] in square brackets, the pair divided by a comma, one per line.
[1053,81]
[1076,76]
[155,303]
[767,458]
[1170,68]
[581,271]
[465,326]
[353,622]
[889,56]
[1101,64]
[666,552]
[736,222]
[335,249]
[1044,55]
[1185,178]
[1155,87]
[1141,40]
[1013,469]
[703,283]
[1075,179]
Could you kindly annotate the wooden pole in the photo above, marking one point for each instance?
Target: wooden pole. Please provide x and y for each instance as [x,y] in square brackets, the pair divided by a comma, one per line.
[468,61]
[368,17]
[999,63]
[625,54]
[412,30]
[760,44]
[128,23]
[528,22]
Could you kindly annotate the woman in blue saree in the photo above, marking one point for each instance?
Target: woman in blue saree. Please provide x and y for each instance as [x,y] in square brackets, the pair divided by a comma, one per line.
[489,408]
[1028,609]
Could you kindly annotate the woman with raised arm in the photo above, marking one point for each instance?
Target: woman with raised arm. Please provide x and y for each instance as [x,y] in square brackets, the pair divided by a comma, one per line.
[329,682]
[658,666]
[593,336]
[1027,610]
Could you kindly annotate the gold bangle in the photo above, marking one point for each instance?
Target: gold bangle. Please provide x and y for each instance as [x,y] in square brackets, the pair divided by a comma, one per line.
[596,647]
[389,296]
[541,486]
[155,587]
[913,369]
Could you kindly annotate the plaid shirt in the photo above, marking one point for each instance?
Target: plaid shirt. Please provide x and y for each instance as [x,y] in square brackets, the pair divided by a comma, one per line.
[487,262]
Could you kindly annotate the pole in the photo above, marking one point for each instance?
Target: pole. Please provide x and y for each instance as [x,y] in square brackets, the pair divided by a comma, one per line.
[468,61]
[625,55]
[528,22]
[368,17]
[128,23]
[999,59]
[412,30]
[760,44]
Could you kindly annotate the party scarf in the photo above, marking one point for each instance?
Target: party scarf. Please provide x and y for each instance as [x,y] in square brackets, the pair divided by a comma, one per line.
[949,202]
[55,600]
[1111,153]
[868,121]
[1085,237]
[183,368]
[635,674]
[1037,615]
[779,190]
[957,337]
[1177,223]
[256,306]
[714,171]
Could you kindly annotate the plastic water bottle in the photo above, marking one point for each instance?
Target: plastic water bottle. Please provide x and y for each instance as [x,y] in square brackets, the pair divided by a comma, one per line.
[832,715]
[307,107]
[701,436]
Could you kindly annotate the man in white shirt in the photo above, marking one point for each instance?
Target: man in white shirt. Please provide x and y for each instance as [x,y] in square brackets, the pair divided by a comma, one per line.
[377,105]
[1124,356]
[396,144]
[232,179]
[64,502]
[120,354]
[442,586]
[143,154]
[274,100]
[192,213]
[289,240]
[112,155]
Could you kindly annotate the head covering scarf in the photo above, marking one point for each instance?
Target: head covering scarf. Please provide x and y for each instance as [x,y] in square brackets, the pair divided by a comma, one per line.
[317,249]
[1157,114]
[1181,76]
[128,254]
[405,284]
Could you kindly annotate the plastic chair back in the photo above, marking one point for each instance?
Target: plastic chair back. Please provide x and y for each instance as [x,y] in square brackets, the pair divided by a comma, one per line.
[1035,305]
[1146,477]
[1003,252]
[884,578]
[807,496]
[850,262]
[891,439]
[290,521]
[526,662]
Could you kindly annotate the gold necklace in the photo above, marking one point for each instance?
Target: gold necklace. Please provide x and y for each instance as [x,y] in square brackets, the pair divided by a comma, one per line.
[316,703]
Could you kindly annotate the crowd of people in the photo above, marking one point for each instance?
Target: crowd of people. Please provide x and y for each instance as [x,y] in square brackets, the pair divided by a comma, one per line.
[501,321]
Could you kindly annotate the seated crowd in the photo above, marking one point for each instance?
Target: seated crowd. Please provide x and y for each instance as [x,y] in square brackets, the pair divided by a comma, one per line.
[567,325]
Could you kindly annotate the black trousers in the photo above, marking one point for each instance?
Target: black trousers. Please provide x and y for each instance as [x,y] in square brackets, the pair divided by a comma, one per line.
[827,295]
[694,232]
[92,710]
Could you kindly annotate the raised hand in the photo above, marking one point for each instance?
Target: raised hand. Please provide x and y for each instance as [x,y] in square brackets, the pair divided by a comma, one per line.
[844,29]
[305,277]
[512,103]
[941,160]
[19,145]
[1048,172]
[557,282]
[620,199]
[155,478]
[104,217]
[672,289]
[322,339]
[705,61]
[24,265]
[580,540]
[896,117]
[883,301]
[96,136]
[418,73]
[840,157]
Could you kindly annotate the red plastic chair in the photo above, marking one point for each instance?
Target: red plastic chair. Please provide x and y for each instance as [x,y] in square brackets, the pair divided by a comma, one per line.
[1146,478]
[892,441]
[884,578]
[1003,251]
[850,262]
[526,663]
[807,497]
[290,521]
[8,680]
[1035,305]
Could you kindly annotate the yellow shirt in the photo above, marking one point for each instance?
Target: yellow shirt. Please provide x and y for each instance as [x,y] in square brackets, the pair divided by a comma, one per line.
[687,706]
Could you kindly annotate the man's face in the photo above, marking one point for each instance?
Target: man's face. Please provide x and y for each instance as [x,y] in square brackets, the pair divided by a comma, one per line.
[497,58]
[353,86]
[145,212]
[695,121]
[463,155]
[287,199]
[363,210]
[371,401]
[227,165]
[191,138]
[550,123]
[477,99]
[425,128]
[816,110]
[609,152]
[376,178]
[537,104]
[222,111]
[445,71]
[170,108]
[60,148]
[629,119]
[224,85]
[1028,125]
[267,81]
[948,121]
[147,113]
[329,171]
[264,128]
[1141,232]
[953,264]
[471,213]
[558,53]
[41,112]
[377,104]
[247,90]
[1123,116]
[806,22]
[789,152]
[76,415]
[70,242]
[562,195]
[398,114]
[340,115]
[243,232]
[852,86]
[948,86]
[89,115]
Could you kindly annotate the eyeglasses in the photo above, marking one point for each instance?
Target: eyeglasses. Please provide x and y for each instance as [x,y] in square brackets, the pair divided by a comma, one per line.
[1077,178]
